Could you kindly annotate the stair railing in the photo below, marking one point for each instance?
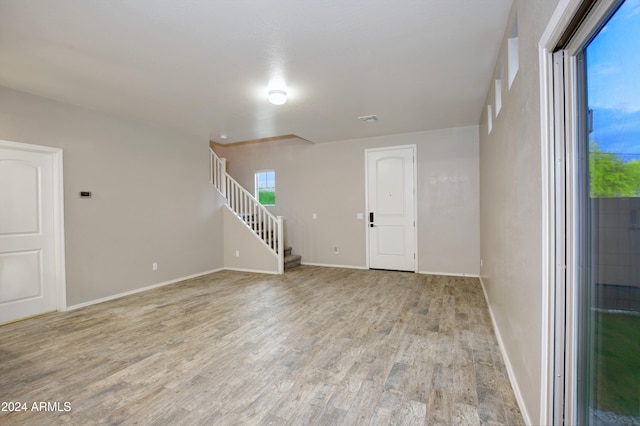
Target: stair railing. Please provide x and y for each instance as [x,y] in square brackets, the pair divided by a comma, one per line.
[247,208]
[218,172]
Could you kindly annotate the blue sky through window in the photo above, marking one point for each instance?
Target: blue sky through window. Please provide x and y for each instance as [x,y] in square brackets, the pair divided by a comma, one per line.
[266,179]
[613,83]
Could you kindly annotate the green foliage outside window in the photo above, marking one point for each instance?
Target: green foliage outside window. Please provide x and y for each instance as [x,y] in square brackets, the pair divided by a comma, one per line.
[617,365]
[610,176]
[266,197]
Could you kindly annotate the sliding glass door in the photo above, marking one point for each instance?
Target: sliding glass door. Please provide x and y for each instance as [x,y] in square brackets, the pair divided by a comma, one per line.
[608,207]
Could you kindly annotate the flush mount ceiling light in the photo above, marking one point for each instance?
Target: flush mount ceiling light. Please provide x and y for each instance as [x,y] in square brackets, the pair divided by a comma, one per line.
[277,97]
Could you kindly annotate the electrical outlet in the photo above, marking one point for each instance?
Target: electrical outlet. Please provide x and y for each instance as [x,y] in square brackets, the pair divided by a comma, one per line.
[336,249]
[315,216]
[154,266]
[237,253]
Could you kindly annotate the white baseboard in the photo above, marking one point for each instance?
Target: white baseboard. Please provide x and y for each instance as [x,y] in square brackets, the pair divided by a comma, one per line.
[327,265]
[139,290]
[449,274]
[254,271]
[507,362]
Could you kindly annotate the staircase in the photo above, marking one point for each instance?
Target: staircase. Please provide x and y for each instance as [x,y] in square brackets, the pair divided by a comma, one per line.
[291,260]
[268,228]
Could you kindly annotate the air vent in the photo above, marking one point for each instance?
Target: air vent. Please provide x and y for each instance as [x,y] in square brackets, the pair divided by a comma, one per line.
[369,118]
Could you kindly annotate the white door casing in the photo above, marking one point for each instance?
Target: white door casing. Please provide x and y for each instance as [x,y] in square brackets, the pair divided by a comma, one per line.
[391,208]
[31,236]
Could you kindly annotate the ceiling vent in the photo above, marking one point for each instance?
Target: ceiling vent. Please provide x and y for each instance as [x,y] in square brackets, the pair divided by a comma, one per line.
[369,118]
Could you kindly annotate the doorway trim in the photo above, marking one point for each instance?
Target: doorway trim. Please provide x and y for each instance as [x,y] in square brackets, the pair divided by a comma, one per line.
[413,147]
[58,214]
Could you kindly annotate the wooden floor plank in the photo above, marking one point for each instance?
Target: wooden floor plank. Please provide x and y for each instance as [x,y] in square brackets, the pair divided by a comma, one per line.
[314,346]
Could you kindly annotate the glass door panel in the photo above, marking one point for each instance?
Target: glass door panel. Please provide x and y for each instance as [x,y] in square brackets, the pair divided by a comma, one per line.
[611,284]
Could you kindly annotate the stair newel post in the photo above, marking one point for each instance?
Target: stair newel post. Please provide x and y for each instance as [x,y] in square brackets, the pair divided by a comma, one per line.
[223,177]
[280,243]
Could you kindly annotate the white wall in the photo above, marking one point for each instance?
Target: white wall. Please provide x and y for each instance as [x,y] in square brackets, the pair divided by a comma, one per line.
[511,209]
[152,201]
[243,251]
[329,179]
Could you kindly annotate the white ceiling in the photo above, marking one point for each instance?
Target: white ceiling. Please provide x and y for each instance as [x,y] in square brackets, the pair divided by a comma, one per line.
[204,66]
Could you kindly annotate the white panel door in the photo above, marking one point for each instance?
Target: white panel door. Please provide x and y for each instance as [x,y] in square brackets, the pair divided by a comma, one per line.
[391,203]
[27,257]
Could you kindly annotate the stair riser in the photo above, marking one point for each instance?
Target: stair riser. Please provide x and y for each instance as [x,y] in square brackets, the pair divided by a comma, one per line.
[291,265]
[291,261]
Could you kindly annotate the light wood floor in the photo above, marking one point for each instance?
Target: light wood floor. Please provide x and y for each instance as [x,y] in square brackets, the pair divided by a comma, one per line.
[315,346]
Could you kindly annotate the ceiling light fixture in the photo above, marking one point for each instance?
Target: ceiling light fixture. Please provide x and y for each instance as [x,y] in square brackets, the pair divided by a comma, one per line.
[277,97]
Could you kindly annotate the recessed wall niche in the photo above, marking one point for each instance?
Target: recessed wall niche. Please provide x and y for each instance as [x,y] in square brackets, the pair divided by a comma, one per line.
[512,52]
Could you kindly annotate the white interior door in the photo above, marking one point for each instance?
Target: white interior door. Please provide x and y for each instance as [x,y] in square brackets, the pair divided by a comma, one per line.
[391,208]
[27,241]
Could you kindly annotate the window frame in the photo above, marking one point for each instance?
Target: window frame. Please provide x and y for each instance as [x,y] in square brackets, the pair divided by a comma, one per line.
[257,187]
